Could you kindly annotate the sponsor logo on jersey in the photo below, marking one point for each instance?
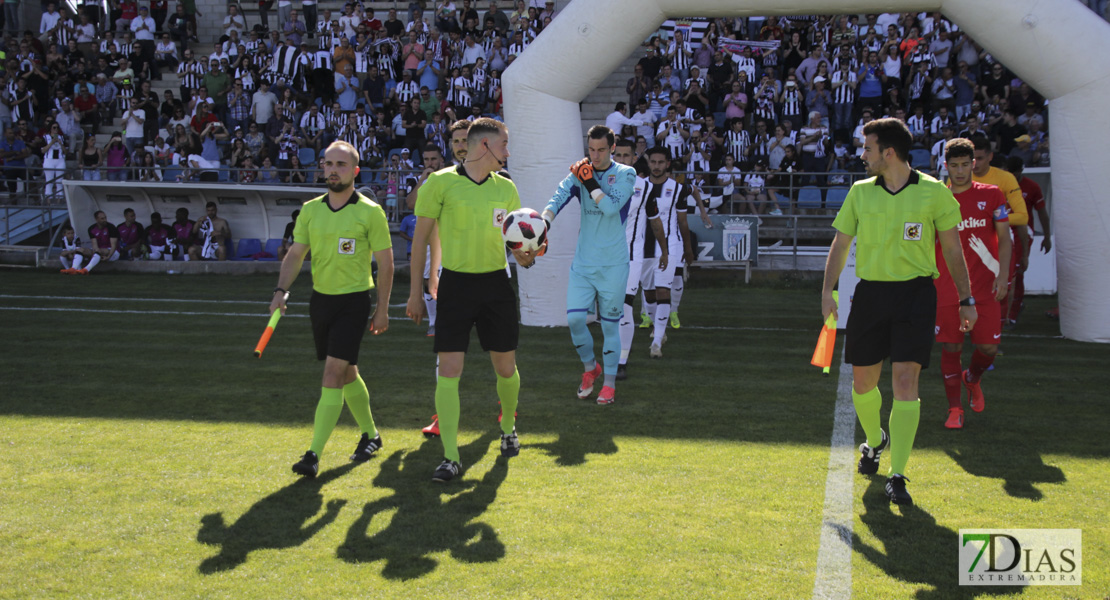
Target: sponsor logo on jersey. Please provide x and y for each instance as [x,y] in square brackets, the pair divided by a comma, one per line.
[346,246]
[972,222]
[499,215]
[911,232]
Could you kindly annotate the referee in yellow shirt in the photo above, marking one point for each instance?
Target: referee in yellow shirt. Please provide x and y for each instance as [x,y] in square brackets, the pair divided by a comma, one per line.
[469,202]
[343,230]
[896,217]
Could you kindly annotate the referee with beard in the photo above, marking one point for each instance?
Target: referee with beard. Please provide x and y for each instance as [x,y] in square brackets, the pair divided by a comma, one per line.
[343,230]
[896,217]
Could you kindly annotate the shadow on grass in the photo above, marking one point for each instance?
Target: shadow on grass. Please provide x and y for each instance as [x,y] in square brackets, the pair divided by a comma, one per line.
[1022,468]
[915,549]
[424,523]
[280,520]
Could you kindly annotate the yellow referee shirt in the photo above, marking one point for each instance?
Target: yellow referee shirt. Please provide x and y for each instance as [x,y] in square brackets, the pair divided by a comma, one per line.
[896,233]
[470,216]
[342,242]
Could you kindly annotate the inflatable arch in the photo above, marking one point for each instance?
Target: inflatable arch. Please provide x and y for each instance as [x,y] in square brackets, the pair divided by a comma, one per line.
[589,39]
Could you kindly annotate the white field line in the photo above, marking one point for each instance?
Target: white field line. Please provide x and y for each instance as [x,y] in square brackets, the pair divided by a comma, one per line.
[834,555]
[262,303]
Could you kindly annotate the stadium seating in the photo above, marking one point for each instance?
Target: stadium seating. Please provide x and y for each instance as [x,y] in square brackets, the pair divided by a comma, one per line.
[273,245]
[307,156]
[247,248]
[834,198]
[809,197]
[920,158]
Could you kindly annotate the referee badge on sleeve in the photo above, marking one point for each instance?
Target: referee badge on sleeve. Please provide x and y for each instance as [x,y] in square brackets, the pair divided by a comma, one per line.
[912,232]
[346,246]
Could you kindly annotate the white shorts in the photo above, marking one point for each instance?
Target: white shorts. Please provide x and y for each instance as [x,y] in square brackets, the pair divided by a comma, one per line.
[635,275]
[114,257]
[662,278]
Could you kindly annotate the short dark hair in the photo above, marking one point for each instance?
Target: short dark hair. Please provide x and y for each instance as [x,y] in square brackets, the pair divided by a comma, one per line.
[659,150]
[210,204]
[623,143]
[959,147]
[981,143]
[1015,165]
[891,133]
[155,214]
[97,213]
[601,132]
[461,124]
[128,210]
[621,106]
[483,127]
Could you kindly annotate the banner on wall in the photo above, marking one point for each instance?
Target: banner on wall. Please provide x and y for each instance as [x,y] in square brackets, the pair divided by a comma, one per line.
[733,238]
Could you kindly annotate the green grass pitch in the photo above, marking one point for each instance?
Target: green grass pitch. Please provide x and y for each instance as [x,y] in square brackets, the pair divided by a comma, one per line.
[145,453]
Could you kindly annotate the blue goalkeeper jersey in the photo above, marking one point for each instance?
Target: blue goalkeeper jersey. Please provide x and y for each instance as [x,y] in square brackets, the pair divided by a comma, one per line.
[601,235]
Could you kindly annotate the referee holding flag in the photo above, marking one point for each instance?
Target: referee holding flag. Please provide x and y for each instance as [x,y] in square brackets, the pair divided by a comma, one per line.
[343,229]
[897,216]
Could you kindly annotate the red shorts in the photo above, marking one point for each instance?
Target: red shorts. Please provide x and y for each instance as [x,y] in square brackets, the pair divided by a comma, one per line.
[988,328]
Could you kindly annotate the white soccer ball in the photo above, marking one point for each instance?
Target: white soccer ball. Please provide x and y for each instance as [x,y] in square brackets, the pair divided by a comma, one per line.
[524,229]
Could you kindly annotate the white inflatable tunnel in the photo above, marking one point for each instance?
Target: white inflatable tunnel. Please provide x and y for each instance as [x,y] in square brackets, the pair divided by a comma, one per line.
[1037,39]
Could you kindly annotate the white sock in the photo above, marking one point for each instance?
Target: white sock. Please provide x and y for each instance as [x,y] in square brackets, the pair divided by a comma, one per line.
[95,260]
[430,304]
[662,315]
[77,260]
[628,330]
[649,308]
[676,292]
[65,262]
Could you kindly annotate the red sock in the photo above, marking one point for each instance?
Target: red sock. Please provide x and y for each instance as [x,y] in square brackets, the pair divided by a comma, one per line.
[979,364]
[950,368]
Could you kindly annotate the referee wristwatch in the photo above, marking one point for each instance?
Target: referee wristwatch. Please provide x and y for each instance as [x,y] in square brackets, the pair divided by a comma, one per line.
[969,301]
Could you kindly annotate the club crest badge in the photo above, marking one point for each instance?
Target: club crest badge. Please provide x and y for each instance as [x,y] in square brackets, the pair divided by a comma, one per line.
[912,232]
[346,246]
[499,215]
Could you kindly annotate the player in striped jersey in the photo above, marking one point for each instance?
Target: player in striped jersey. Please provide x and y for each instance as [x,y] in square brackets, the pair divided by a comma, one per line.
[673,201]
[639,214]
[73,254]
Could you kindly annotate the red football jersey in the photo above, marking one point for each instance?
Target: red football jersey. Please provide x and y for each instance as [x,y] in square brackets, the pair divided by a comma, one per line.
[1034,197]
[981,206]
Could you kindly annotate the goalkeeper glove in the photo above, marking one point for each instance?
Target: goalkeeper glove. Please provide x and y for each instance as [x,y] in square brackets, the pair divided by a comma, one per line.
[584,171]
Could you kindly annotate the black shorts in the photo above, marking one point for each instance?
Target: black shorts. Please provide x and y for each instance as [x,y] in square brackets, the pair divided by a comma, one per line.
[482,300]
[338,323]
[893,319]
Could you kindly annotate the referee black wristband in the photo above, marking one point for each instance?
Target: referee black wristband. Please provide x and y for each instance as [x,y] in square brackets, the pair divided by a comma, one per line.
[969,301]
[282,290]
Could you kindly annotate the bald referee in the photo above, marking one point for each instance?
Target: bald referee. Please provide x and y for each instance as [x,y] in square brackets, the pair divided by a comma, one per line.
[468,203]
[897,216]
[343,229]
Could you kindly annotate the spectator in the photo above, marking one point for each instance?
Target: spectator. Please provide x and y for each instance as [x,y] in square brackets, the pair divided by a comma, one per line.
[347,88]
[218,84]
[268,174]
[238,106]
[91,159]
[638,86]
[293,28]
[116,158]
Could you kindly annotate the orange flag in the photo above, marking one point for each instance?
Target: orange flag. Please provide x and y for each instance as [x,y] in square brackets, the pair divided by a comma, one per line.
[823,353]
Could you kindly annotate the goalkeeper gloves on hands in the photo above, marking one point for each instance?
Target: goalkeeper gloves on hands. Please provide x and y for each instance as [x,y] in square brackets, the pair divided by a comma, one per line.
[584,171]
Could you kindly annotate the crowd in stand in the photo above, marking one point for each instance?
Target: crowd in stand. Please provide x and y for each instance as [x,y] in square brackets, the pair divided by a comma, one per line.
[741,116]
[278,86]
[263,100]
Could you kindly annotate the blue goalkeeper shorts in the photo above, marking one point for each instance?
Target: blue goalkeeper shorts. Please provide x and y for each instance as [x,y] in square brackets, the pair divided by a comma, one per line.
[605,284]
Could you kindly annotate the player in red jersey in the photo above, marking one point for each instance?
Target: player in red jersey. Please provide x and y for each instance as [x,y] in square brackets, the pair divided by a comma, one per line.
[985,236]
[1034,200]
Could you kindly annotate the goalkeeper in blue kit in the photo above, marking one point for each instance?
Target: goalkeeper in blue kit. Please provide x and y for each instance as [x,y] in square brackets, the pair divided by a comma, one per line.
[599,271]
